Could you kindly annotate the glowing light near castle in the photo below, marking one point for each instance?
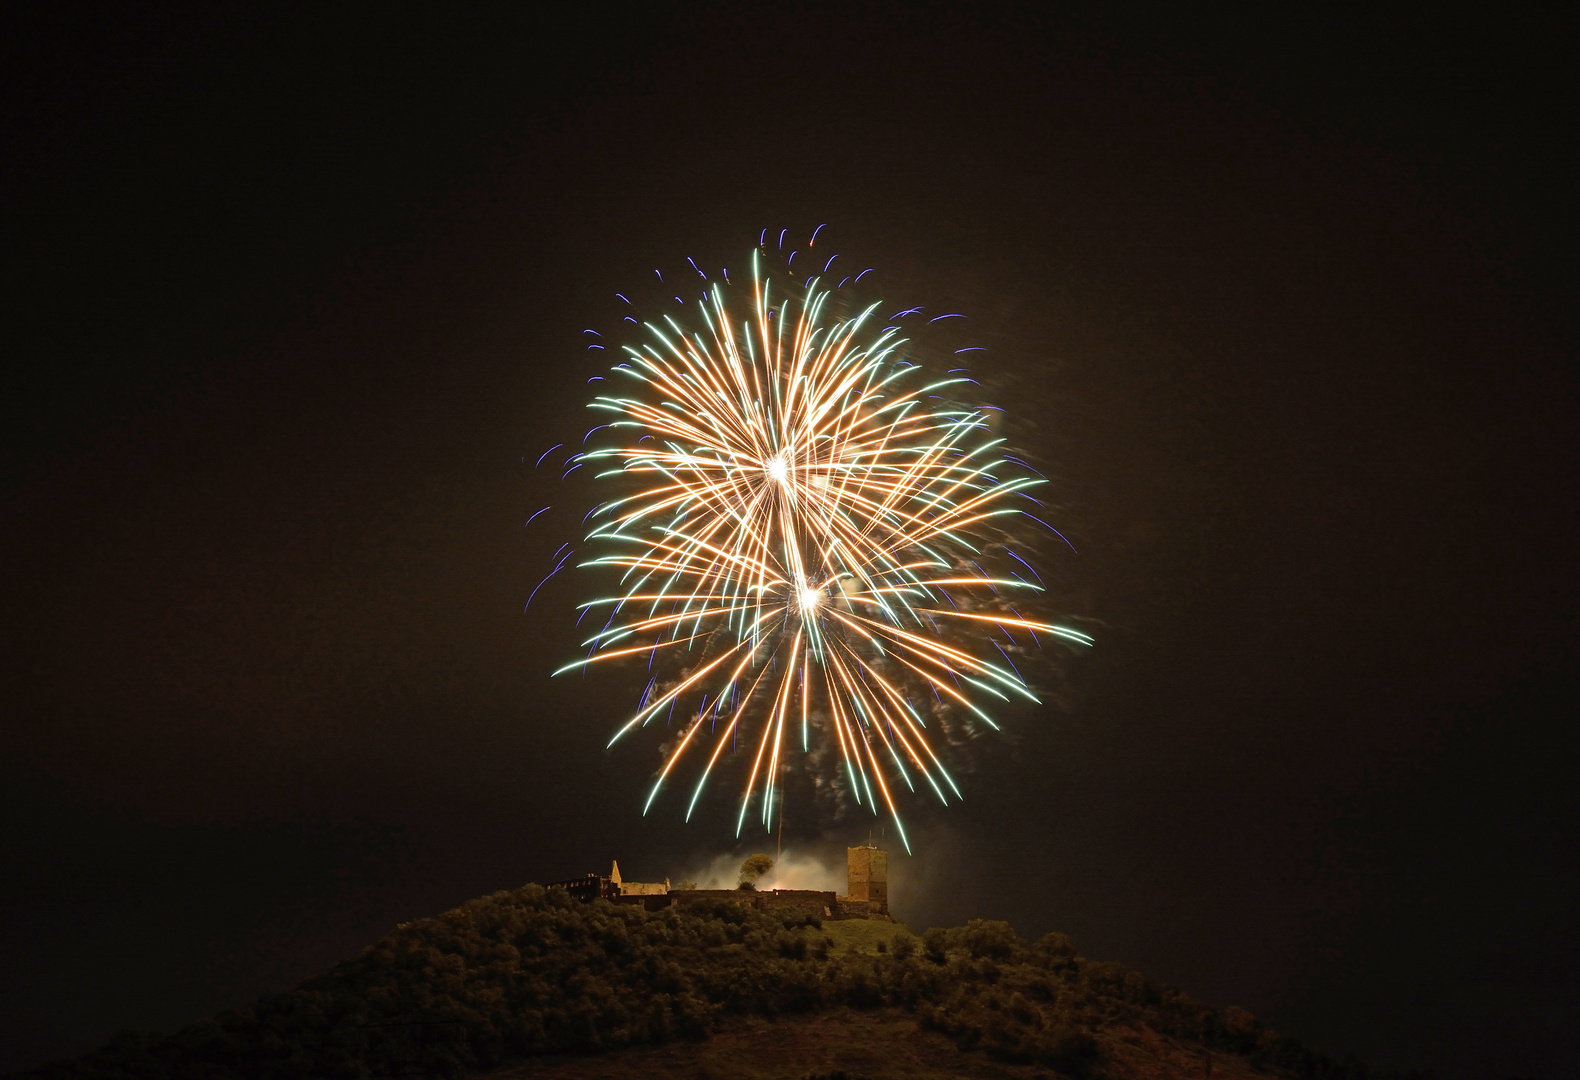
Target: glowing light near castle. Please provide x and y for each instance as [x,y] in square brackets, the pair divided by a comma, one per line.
[800,545]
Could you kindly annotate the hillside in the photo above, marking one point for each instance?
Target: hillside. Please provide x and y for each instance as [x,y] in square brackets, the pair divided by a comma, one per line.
[532,983]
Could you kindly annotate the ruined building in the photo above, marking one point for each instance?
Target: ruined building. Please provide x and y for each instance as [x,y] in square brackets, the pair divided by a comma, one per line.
[636,888]
[867,895]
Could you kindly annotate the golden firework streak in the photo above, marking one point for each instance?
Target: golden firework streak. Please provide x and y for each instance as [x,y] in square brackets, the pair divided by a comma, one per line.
[809,513]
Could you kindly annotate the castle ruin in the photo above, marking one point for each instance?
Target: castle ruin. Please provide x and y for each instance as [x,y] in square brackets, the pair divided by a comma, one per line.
[636,888]
[866,896]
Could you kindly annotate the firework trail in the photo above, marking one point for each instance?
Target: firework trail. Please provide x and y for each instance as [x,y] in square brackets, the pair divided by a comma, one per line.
[801,535]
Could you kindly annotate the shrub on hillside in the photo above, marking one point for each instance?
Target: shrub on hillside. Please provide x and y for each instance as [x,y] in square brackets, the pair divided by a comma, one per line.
[531,972]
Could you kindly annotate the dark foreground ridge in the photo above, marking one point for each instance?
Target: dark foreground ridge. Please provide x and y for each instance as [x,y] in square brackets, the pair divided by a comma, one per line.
[537,980]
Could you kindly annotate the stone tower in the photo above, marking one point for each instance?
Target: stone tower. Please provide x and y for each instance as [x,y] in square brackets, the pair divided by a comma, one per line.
[869,877]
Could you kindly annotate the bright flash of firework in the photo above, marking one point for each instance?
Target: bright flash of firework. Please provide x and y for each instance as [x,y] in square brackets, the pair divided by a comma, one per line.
[805,544]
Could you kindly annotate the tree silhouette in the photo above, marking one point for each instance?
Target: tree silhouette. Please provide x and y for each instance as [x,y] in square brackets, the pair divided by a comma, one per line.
[753,868]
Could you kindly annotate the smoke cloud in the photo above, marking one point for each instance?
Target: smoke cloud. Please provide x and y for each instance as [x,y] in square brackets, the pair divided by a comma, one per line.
[793,870]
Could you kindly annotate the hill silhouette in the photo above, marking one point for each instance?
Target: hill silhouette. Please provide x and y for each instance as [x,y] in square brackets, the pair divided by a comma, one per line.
[532,983]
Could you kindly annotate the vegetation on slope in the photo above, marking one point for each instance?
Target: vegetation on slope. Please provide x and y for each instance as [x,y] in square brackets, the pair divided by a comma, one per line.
[531,972]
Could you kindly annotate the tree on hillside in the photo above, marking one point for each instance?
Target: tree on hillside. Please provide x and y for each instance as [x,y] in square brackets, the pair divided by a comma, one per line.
[535,972]
[753,868]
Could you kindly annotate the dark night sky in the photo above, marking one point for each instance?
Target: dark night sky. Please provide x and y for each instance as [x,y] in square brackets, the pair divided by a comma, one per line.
[1286,300]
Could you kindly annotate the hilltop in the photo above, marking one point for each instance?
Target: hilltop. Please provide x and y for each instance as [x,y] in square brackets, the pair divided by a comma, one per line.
[534,983]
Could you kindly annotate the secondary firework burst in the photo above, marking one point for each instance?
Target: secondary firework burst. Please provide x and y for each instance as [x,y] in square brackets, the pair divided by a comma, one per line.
[800,543]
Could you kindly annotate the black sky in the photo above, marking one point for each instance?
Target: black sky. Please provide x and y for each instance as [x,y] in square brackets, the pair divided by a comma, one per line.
[1285,300]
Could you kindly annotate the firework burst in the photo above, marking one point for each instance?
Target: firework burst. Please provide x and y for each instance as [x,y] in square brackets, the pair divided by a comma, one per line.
[799,545]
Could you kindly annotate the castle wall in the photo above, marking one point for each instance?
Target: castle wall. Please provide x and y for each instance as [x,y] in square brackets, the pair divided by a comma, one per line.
[644,888]
[814,902]
[683,897]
